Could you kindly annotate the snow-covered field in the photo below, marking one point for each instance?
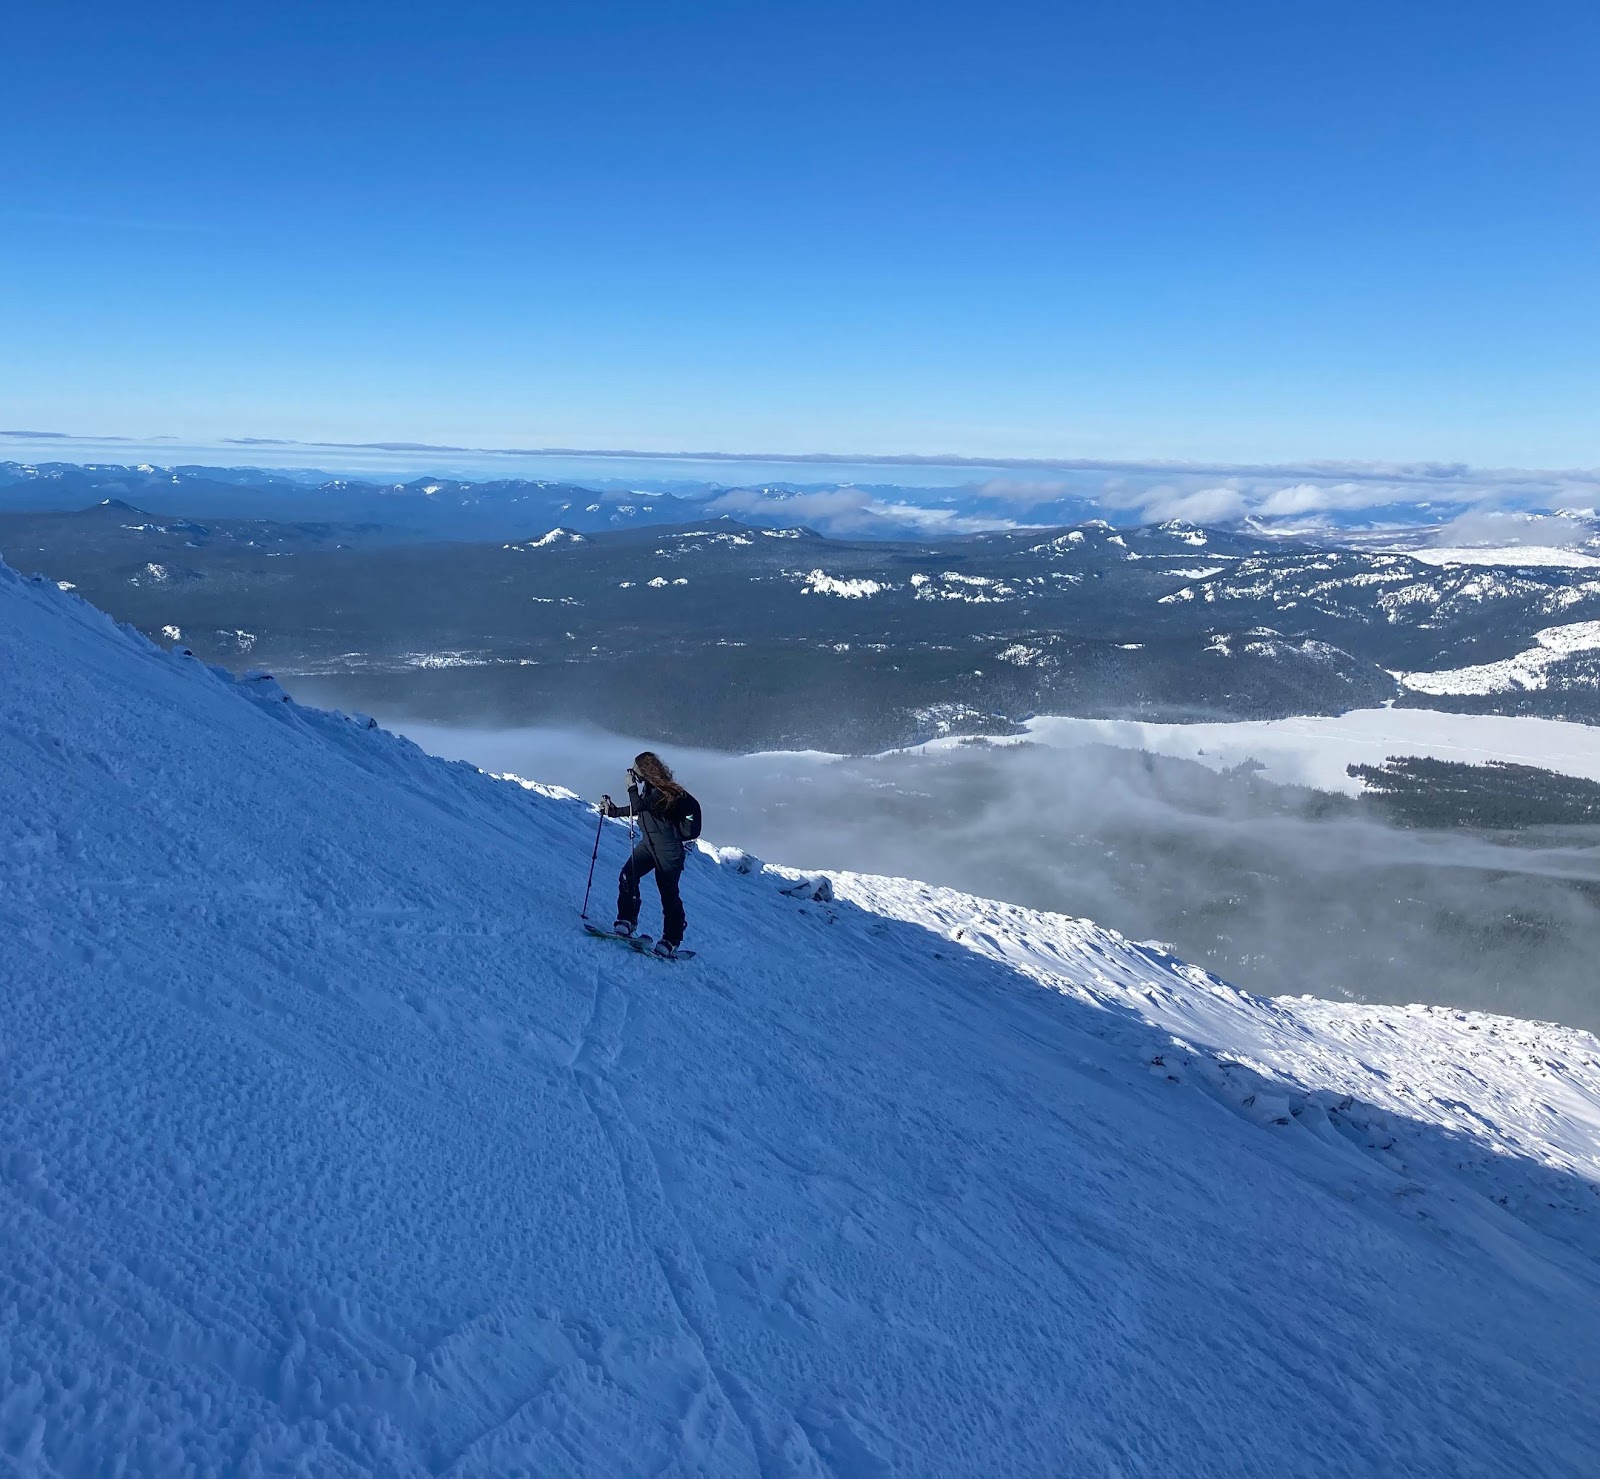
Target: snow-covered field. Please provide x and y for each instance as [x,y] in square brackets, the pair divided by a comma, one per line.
[329,1145]
[1513,555]
[1314,750]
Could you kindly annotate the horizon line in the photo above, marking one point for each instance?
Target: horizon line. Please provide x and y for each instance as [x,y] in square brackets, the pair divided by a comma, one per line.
[1353,470]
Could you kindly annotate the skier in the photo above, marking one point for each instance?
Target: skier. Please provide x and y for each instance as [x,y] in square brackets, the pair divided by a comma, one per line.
[668,817]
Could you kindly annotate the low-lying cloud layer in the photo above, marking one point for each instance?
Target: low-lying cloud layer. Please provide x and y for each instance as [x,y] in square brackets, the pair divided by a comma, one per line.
[1280,891]
[842,512]
[939,493]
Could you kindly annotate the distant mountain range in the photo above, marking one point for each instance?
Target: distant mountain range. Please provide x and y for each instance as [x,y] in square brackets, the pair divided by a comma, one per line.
[437,508]
[516,508]
[723,633]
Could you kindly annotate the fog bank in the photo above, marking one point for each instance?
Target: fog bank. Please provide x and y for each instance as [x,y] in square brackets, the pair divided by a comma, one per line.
[1281,890]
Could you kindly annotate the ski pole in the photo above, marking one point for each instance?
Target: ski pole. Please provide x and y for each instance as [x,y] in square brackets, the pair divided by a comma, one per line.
[598,827]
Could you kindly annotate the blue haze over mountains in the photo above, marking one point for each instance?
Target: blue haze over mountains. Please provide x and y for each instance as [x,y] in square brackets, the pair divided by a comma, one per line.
[519,601]
[587,492]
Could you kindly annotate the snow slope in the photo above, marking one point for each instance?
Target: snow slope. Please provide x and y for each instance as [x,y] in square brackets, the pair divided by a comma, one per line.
[1527,670]
[329,1145]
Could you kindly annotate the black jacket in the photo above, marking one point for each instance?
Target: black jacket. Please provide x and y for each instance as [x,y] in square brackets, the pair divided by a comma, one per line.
[660,831]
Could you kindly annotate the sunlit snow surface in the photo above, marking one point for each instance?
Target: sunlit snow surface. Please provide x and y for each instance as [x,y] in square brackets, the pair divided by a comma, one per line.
[1314,750]
[1525,671]
[329,1145]
[1517,554]
[819,583]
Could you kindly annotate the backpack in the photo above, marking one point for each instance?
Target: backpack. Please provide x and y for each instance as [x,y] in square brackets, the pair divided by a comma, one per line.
[685,816]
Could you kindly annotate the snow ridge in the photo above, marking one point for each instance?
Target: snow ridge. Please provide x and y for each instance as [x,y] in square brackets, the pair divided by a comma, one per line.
[329,1144]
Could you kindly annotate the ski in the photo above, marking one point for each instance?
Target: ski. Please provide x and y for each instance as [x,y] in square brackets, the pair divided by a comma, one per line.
[605,934]
[646,946]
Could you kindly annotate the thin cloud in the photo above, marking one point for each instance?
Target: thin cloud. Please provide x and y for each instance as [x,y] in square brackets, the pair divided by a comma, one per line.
[1023,492]
[1437,477]
[846,506]
[850,510]
[1198,506]
[1316,498]
[1499,528]
[1195,491]
[68,436]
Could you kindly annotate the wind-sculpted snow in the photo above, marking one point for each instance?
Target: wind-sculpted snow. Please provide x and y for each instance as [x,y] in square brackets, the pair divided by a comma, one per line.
[328,1144]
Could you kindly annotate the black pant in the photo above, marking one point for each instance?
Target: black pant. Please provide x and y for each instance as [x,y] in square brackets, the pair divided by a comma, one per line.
[642,861]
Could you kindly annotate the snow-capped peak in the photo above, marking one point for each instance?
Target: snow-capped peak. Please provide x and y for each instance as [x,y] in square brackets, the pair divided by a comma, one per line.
[555,536]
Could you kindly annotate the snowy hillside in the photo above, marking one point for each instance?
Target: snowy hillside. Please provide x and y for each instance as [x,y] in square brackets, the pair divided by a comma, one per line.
[329,1145]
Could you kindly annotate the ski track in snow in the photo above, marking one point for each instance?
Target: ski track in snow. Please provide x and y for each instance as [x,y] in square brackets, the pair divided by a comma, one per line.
[330,1144]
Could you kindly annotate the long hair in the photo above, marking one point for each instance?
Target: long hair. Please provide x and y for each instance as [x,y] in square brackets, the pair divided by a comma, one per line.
[654,769]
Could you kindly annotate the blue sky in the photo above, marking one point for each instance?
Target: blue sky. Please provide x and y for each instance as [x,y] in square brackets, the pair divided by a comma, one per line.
[1228,231]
